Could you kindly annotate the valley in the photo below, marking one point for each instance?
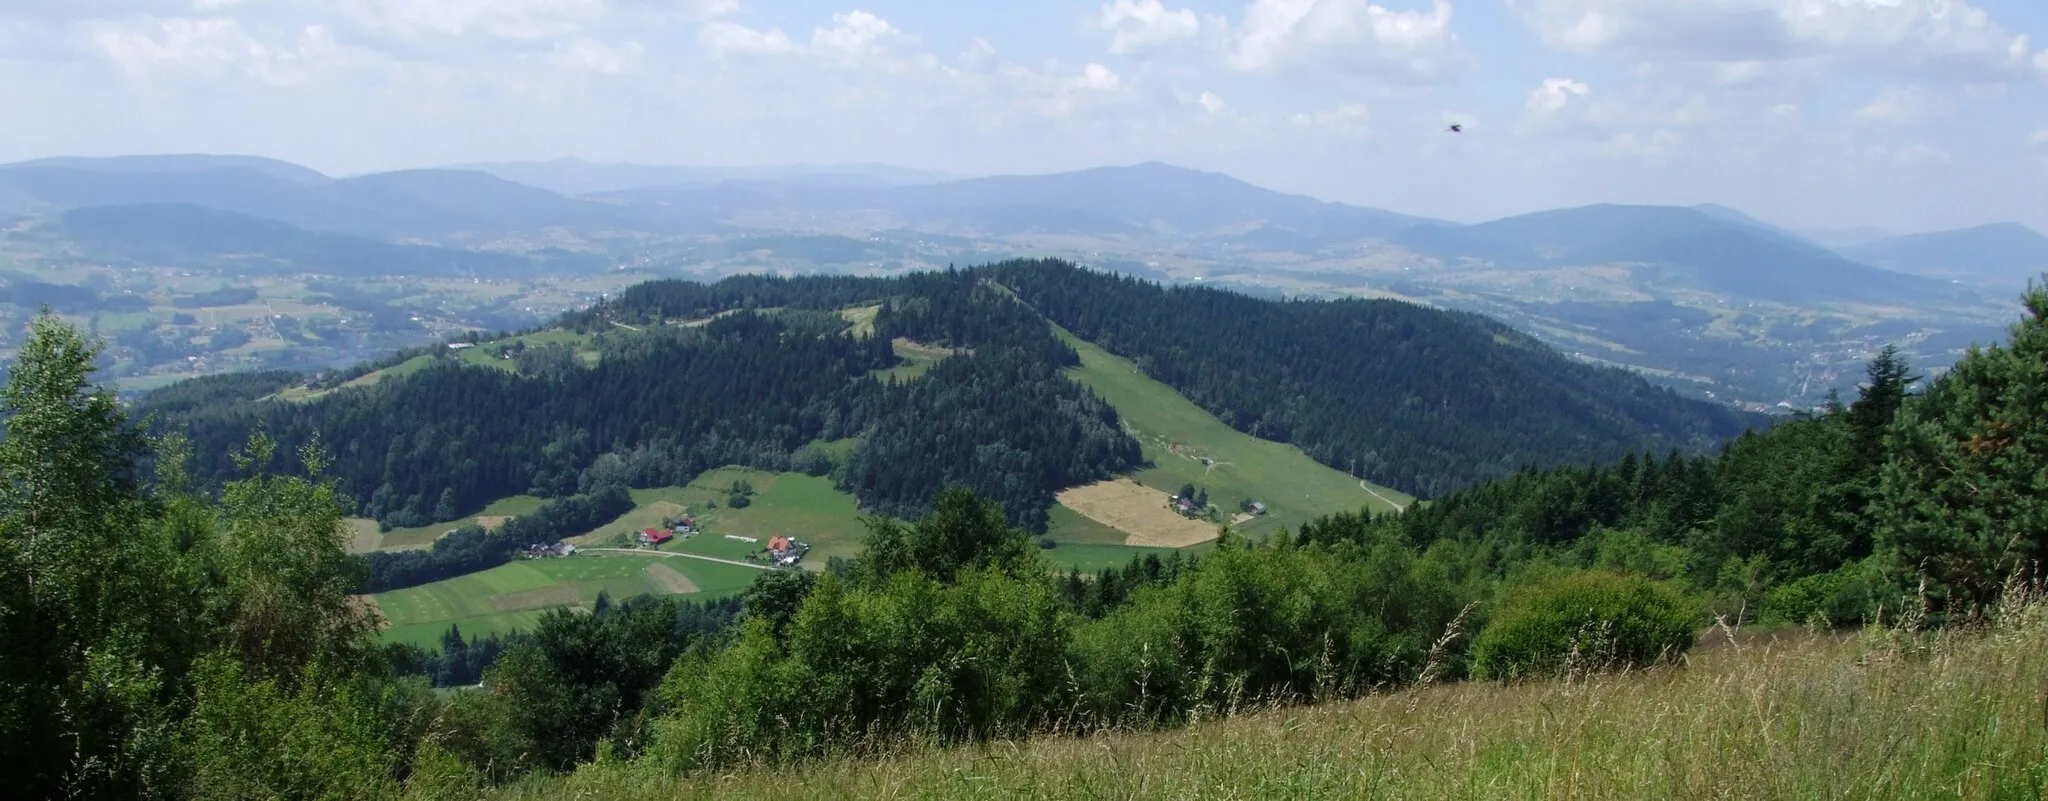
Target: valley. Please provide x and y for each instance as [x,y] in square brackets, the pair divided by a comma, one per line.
[899,376]
[1091,487]
[1704,299]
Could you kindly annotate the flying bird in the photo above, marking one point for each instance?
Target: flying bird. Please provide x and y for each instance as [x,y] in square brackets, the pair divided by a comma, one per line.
[1455,128]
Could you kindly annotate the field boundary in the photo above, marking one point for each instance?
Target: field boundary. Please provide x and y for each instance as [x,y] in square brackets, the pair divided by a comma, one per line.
[702,557]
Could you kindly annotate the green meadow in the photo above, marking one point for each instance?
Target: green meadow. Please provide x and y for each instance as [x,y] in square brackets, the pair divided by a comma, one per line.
[792,504]
[1177,435]
[513,596]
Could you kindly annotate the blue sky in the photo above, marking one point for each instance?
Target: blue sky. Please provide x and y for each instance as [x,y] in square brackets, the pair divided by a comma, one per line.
[1906,114]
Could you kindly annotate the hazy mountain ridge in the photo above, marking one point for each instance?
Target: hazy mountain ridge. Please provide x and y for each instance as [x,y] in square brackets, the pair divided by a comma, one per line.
[1795,314]
[187,234]
[2000,252]
[570,176]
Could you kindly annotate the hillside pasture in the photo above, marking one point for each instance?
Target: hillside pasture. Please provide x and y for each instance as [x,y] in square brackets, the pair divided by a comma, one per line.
[363,536]
[512,596]
[486,354]
[1068,527]
[806,507]
[917,358]
[1139,511]
[403,539]
[1186,445]
[862,320]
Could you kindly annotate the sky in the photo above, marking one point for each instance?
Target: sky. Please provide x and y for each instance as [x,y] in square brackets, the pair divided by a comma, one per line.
[1909,115]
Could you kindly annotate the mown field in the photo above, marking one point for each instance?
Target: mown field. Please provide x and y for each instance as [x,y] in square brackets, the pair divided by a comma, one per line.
[1177,435]
[513,596]
[368,539]
[1871,715]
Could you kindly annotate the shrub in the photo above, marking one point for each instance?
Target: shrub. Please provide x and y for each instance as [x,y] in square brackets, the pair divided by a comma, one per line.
[1847,596]
[1595,618]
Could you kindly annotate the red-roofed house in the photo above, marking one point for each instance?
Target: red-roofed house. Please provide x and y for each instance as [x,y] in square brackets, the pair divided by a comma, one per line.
[655,536]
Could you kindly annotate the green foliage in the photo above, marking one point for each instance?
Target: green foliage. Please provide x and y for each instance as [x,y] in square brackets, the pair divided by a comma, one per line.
[1594,619]
[149,639]
[252,737]
[963,533]
[1965,488]
[775,596]
[1842,597]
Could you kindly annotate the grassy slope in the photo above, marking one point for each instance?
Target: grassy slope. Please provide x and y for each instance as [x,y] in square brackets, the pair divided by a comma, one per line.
[1870,716]
[478,602]
[1294,487]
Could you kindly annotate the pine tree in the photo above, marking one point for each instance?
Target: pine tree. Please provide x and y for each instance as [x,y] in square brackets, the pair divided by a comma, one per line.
[1961,501]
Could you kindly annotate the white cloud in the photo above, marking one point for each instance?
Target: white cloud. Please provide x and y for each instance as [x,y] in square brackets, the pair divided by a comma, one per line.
[175,49]
[1211,103]
[1903,106]
[1145,24]
[1659,144]
[855,36]
[1352,37]
[416,21]
[1346,119]
[1278,34]
[726,39]
[1948,37]
[1552,96]
[2040,138]
[1099,78]
[978,55]
[1914,155]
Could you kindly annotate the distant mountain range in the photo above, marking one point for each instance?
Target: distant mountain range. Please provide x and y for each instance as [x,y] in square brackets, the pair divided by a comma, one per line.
[1707,248]
[1712,249]
[178,234]
[579,177]
[2001,253]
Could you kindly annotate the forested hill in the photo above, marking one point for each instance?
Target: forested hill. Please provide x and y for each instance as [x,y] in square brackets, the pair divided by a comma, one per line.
[1420,399]
[1415,398]
[762,387]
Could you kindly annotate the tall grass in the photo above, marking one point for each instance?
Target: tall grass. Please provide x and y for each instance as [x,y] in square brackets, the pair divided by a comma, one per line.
[1877,714]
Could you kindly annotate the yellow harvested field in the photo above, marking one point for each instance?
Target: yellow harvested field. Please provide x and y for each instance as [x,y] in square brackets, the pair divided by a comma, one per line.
[492,522]
[537,598]
[669,579]
[1140,512]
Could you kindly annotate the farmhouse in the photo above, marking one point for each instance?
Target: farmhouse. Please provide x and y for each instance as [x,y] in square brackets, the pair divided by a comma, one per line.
[655,536]
[785,551]
[550,551]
